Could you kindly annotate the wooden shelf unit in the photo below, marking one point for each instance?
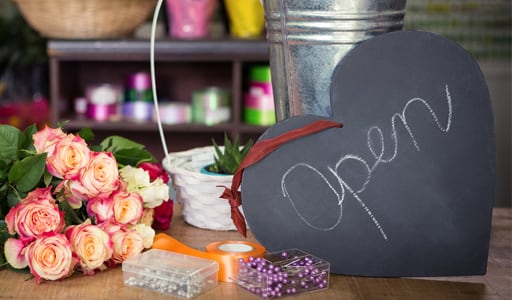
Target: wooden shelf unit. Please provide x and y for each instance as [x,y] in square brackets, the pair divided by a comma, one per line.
[181,67]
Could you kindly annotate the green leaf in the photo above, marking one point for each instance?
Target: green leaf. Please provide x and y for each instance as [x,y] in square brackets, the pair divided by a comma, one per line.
[115,143]
[126,151]
[86,134]
[3,171]
[10,142]
[228,160]
[14,198]
[4,235]
[47,178]
[4,205]
[133,156]
[70,215]
[246,148]
[28,141]
[26,173]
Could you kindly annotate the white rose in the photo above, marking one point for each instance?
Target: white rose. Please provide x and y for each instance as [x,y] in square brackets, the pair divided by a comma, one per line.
[147,233]
[154,194]
[136,178]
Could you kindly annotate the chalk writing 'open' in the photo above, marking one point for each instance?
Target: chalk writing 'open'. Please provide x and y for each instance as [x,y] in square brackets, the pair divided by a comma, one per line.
[381,156]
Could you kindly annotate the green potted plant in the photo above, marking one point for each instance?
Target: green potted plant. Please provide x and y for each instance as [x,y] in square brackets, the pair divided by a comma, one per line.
[198,181]
[228,158]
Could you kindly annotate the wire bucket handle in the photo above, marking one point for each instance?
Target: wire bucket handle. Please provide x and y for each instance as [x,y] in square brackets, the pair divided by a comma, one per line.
[153,77]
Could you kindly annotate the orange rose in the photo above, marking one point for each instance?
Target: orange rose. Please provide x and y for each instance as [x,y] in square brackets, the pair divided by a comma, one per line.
[49,257]
[71,154]
[91,245]
[127,242]
[127,207]
[100,177]
[45,139]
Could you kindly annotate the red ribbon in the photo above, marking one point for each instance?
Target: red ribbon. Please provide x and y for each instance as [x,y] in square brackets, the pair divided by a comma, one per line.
[259,151]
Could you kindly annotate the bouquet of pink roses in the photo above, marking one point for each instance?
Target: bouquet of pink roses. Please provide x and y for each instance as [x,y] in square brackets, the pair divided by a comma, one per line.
[66,206]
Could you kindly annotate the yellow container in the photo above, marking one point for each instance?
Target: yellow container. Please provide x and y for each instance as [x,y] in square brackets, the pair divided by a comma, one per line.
[246,18]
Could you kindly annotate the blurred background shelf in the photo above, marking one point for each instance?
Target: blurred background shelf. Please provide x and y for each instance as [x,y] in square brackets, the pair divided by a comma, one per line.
[182,66]
[482,27]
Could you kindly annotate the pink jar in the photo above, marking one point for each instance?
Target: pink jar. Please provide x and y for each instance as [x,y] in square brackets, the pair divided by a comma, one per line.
[190,18]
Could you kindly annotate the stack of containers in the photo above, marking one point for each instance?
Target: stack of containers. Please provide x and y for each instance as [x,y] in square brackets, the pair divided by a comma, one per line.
[102,102]
[211,105]
[138,97]
[259,100]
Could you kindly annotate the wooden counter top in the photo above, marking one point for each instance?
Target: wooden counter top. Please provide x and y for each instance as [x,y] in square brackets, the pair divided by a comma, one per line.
[496,284]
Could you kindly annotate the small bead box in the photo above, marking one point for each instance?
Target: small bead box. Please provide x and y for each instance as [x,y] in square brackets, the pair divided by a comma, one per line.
[170,273]
[283,273]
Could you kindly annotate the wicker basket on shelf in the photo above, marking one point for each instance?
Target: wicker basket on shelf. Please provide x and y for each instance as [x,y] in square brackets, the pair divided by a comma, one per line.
[85,19]
[198,193]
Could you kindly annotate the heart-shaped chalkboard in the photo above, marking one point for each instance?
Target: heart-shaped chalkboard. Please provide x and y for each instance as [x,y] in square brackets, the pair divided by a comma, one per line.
[406,187]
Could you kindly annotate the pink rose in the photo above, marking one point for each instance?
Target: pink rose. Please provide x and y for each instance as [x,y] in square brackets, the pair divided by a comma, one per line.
[127,242]
[14,250]
[42,195]
[100,209]
[91,245]
[71,154]
[49,257]
[155,171]
[162,215]
[111,227]
[127,207]
[72,192]
[100,177]
[45,139]
[35,216]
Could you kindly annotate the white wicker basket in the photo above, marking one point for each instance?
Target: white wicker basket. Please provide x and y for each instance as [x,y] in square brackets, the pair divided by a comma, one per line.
[198,193]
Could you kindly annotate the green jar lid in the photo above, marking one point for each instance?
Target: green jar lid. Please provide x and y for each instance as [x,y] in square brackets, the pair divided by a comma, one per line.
[260,73]
[259,117]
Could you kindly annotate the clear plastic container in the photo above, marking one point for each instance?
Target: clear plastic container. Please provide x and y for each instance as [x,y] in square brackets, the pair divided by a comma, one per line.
[283,273]
[170,273]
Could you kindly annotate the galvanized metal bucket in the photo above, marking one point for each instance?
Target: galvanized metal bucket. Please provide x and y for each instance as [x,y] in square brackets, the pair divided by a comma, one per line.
[308,38]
